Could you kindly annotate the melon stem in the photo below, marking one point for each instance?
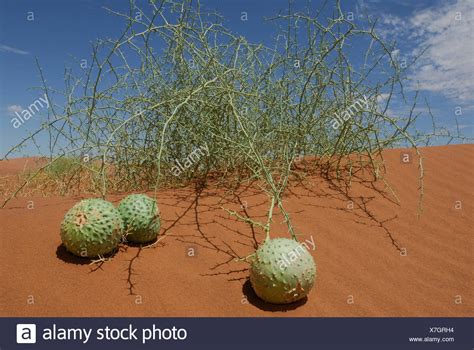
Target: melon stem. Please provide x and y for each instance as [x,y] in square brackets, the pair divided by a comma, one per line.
[269,219]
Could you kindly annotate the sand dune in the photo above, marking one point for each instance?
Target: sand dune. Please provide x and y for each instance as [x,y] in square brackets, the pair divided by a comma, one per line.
[17,165]
[374,257]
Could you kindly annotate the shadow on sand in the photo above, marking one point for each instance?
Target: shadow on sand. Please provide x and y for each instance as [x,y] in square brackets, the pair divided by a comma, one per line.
[64,255]
[190,203]
[253,299]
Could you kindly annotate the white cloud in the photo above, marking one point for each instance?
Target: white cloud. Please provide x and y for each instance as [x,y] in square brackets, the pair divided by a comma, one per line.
[448,63]
[14,108]
[446,33]
[392,20]
[5,48]
[382,97]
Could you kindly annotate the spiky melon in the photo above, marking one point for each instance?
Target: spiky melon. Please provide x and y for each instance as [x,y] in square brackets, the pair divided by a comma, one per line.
[91,228]
[282,271]
[141,218]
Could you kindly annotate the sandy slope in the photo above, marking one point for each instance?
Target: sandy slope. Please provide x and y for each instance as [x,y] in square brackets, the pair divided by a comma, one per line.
[374,257]
[16,165]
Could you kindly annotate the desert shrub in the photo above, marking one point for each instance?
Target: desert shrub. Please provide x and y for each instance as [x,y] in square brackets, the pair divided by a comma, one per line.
[176,79]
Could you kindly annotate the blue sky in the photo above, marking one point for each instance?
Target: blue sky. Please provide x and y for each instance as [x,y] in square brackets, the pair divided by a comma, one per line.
[62,32]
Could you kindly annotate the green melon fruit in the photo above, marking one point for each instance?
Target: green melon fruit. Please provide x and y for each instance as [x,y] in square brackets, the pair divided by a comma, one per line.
[141,218]
[282,271]
[91,228]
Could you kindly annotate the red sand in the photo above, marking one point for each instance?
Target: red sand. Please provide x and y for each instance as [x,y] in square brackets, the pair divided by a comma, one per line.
[360,270]
[16,165]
